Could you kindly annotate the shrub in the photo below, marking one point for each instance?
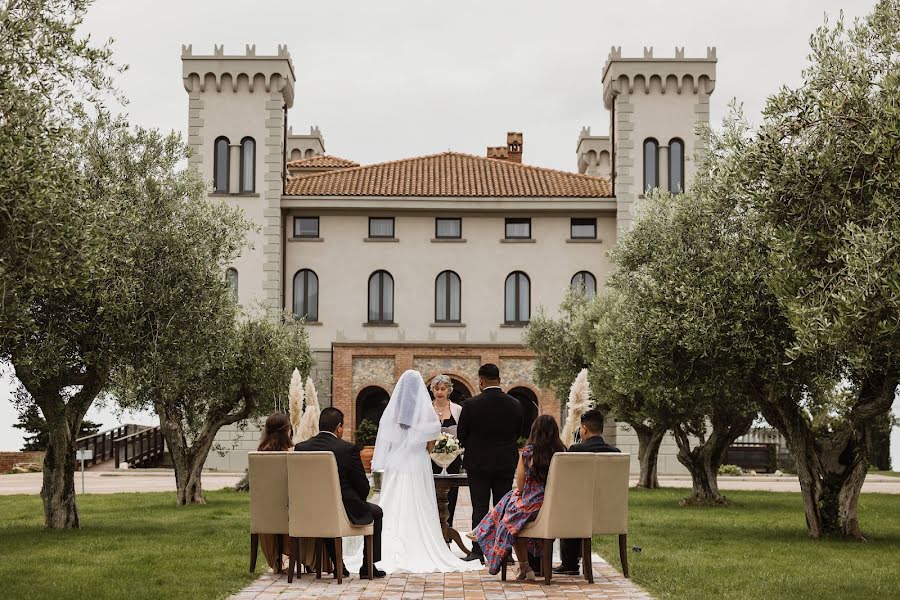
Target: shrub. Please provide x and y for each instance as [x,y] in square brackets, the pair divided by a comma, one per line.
[366,432]
[730,470]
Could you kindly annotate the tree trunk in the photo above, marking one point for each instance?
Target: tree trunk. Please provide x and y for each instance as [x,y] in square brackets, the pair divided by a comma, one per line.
[188,457]
[64,415]
[649,441]
[831,467]
[703,462]
[58,490]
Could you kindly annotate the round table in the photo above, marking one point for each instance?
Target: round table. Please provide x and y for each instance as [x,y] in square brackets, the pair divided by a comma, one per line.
[442,486]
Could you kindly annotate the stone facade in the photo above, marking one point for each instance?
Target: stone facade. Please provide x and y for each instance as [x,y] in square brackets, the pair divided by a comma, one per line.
[248,96]
[357,366]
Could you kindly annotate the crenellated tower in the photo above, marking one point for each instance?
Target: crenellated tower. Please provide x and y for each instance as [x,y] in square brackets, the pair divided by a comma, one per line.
[302,145]
[237,115]
[655,106]
[593,152]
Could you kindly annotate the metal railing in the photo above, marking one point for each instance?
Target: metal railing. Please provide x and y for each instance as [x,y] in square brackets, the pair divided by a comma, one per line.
[102,443]
[140,449]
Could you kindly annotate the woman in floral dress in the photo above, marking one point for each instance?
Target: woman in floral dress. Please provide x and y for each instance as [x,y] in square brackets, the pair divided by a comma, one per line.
[498,531]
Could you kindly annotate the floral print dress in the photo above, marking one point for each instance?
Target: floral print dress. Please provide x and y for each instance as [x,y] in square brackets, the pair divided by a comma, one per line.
[498,530]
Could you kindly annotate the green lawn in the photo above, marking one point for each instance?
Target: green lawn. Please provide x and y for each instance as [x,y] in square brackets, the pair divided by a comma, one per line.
[141,546]
[756,549]
[130,546]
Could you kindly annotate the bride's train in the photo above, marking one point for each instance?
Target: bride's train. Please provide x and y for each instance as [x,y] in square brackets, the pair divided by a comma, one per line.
[411,541]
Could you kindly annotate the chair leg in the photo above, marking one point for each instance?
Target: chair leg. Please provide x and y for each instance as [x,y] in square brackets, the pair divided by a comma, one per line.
[254,549]
[339,559]
[547,561]
[292,560]
[279,551]
[297,561]
[370,550]
[318,557]
[623,553]
[586,563]
[503,568]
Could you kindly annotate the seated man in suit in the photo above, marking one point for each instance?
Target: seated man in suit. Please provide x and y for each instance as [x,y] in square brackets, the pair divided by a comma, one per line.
[591,441]
[354,483]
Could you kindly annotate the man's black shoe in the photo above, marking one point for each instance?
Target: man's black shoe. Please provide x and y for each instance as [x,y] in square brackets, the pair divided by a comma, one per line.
[474,556]
[565,570]
[376,573]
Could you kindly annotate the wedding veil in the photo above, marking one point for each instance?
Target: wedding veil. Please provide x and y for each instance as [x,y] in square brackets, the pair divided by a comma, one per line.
[408,423]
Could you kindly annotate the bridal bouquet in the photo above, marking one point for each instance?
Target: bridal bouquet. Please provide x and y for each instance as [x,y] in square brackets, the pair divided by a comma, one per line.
[445,451]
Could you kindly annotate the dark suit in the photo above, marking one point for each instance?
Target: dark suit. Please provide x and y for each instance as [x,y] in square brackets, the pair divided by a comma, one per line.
[489,426]
[570,550]
[354,484]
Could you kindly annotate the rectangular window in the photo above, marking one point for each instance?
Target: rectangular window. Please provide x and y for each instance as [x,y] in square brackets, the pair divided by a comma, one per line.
[584,229]
[381,227]
[518,229]
[448,229]
[306,227]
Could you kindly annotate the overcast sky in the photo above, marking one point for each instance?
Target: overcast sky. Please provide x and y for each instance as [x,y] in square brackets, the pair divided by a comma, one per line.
[388,80]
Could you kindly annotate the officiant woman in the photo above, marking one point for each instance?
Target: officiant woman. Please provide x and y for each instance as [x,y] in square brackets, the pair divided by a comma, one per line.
[448,413]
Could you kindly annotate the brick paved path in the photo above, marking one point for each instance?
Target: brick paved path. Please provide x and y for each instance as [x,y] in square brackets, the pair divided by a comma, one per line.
[608,583]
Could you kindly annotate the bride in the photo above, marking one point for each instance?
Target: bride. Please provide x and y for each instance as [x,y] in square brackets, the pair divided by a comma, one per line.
[411,539]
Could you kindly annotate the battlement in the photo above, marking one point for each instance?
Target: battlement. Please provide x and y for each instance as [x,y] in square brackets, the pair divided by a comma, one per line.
[239,72]
[594,154]
[662,75]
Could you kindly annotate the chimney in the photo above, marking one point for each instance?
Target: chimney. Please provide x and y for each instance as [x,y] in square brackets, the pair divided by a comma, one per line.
[511,152]
[514,146]
[498,152]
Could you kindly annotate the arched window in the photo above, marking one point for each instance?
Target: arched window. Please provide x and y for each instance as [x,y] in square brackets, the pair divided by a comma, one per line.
[518,299]
[676,166]
[248,165]
[381,297]
[651,164]
[447,298]
[306,295]
[586,283]
[231,276]
[220,165]
[310,153]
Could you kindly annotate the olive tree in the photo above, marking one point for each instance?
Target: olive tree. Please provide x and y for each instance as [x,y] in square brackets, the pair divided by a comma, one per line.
[568,344]
[824,175]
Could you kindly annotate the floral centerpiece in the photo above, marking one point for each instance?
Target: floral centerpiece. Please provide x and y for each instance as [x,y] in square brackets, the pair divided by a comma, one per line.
[445,451]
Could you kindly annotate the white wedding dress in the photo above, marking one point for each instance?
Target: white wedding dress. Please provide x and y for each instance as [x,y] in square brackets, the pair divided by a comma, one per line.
[411,541]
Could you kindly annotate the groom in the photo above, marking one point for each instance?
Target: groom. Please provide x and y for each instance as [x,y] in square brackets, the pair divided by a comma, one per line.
[353,480]
[489,427]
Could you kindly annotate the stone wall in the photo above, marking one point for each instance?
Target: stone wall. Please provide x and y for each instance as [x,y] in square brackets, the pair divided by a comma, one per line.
[8,459]
[626,440]
[357,366]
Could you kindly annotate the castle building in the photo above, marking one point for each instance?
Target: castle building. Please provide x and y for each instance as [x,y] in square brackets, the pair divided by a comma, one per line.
[437,262]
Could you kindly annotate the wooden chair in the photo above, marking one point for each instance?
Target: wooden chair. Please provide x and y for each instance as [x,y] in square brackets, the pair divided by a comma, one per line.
[267,473]
[567,512]
[611,470]
[316,510]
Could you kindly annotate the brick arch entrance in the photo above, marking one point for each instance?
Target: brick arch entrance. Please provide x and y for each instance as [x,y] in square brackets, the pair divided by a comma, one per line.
[370,403]
[529,401]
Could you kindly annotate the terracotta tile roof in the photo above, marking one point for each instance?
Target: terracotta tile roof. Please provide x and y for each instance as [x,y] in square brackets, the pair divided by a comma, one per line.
[322,162]
[447,175]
